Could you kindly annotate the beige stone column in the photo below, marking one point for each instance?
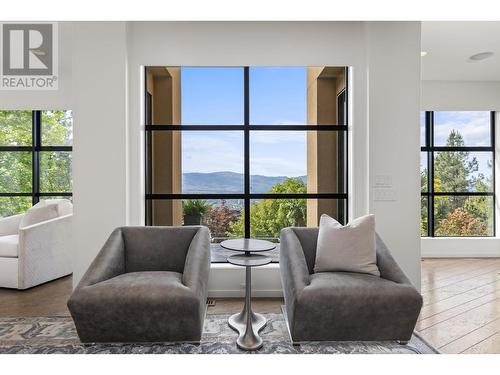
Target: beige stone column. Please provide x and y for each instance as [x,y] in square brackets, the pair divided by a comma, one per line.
[323,86]
[166,155]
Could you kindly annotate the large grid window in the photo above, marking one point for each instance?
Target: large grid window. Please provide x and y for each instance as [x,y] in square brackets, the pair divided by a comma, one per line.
[457,174]
[245,150]
[35,158]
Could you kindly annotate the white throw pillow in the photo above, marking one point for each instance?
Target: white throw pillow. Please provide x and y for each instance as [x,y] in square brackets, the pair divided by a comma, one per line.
[349,248]
[37,214]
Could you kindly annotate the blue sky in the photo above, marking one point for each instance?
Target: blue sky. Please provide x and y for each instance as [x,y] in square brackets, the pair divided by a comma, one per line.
[214,96]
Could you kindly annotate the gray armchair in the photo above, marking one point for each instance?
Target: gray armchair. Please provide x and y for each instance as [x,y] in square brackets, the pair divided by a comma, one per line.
[146,284]
[338,306]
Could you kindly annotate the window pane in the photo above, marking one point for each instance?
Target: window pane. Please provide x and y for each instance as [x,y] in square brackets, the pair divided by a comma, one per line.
[463,171]
[224,218]
[55,171]
[269,216]
[15,172]
[196,162]
[15,128]
[424,201]
[212,96]
[278,96]
[280,156]
[463,216]
[212,162]
[462,129]
[276,157]
[14,205]
[424,174]
[422,129]
[57,128]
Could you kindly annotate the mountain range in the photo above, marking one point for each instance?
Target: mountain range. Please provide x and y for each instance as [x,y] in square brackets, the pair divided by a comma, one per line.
[228,182]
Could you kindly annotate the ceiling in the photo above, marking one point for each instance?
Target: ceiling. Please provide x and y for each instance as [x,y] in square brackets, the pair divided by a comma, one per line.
[449,45]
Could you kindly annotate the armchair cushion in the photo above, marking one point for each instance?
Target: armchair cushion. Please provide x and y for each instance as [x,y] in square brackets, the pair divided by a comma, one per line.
[9,246]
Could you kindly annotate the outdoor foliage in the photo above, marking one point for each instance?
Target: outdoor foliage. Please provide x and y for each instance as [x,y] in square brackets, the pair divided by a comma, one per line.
[195,207]
[16,166]
[269,216]
[458,215]
[220,218]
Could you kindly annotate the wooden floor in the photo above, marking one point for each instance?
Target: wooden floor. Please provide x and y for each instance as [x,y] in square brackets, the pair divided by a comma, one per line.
[461,312]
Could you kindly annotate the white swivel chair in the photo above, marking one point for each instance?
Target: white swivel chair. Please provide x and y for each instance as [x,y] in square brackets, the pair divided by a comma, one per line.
[35,246]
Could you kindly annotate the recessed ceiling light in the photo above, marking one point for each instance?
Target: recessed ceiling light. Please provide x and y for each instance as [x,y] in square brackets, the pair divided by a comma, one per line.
[423,53]
[481,56]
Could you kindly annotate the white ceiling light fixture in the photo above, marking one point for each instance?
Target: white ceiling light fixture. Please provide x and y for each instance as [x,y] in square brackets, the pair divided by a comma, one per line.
[423,53]
[481,56]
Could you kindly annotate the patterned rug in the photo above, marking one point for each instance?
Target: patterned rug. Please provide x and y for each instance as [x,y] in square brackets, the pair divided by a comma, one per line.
[46,335]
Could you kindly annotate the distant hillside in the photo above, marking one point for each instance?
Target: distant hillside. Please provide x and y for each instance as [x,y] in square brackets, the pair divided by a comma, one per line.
[228,182]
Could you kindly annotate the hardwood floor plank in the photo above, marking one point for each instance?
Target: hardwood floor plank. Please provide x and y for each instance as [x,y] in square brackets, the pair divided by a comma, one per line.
[431,309]
[489,345]
[479,269]
[460,287]
[454,328]
[457,310]
[476,339]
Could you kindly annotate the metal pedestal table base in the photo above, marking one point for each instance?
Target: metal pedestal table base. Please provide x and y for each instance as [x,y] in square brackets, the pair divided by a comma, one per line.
[247,323]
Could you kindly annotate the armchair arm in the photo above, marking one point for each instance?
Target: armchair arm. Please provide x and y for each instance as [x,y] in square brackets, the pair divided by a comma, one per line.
[110,261]
[44,251]
[197,265]
[388,267]
[293,269]
[10,225]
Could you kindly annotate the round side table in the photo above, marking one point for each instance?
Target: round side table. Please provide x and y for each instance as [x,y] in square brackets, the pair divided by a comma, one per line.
[247,323]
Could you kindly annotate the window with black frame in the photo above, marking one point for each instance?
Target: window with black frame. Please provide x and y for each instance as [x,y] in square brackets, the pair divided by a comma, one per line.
[457,173]
[35,158]
[245,150]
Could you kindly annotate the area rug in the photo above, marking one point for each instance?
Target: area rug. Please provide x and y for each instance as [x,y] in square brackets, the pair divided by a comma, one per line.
[57,335]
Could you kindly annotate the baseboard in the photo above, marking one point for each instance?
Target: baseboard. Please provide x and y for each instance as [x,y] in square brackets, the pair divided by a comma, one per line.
[460,247]
[225,293]
[228,281]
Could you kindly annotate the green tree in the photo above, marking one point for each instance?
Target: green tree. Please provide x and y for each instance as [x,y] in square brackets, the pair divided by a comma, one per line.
[269,216]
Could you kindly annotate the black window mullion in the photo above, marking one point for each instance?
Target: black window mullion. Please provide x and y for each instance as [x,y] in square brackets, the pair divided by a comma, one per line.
[246,133]
[429,123]
[37,144]
[493,145]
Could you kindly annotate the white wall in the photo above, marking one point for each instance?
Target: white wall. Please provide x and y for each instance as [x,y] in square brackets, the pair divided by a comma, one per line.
[100,137]
[393,113]
[464,96]
[460,96]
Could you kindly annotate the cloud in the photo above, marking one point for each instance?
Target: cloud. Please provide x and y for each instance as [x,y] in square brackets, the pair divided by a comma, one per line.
[473,126]
[276,166]
[206,152]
